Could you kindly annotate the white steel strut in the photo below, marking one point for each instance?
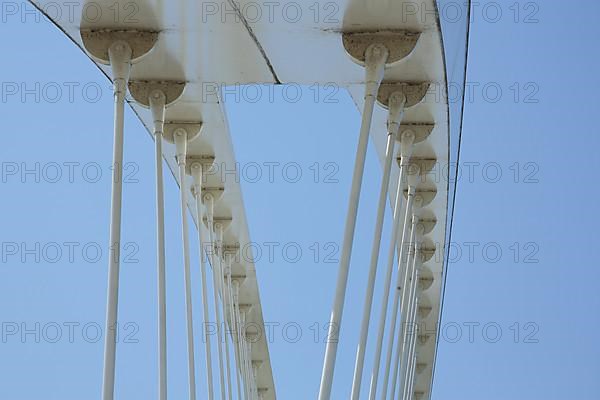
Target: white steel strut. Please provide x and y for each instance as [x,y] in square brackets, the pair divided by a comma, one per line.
[120,59]
[210,206]
[406,147]
[374,51]
[197,170]
[412,185]
[238,331]
[408,293]
[156,95]
[407,372]
[243,310]
[118,49]
[375,59]
[219,228]
[396,97]
[181,134]
[396,112]
[233,324]
[158,103]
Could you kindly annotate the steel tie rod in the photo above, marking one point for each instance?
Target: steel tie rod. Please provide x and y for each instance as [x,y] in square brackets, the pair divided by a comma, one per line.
[401,272]
[197,173]
[157,100]
[210,201]
[156,95]
[119,54]
[407,378]
[408,293]
[180,137]
[373,50]
[219,228]
[376,57]
[396,111]
[117,48]
[412,317]
[406,147]
[243,351]
[232,318]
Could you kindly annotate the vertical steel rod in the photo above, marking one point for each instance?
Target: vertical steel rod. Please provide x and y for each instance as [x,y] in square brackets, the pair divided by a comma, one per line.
[408,291]
[180,137]
[157,102]
[396,106]
[120,61]
[233,331]
[197,176]
[401,262]
[406,151]
[219,228]
[215,267]
[406,378]
[376,56]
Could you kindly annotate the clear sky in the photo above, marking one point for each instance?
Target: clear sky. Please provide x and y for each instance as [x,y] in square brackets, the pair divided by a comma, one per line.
[540,213]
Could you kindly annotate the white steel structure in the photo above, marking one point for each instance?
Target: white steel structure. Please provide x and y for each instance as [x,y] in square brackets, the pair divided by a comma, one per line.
[169,61]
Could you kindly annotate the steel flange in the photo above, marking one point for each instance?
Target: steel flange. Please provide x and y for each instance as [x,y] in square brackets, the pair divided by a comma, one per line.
[215,192]
[191,128]
[427,250]
[420,131]
[98,41]
[427,225]
[425,278]
[424,165]
[424,195]
[206,161]
[231,249]
[224,221]
[142,90]
[399,43]
[414,91]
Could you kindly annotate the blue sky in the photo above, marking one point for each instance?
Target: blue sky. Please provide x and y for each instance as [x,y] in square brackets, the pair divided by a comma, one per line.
[542,142]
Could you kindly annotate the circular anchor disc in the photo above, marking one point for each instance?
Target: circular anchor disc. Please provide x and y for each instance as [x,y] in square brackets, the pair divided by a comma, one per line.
[192,128]
[98,41]
[141,90]
[400,43]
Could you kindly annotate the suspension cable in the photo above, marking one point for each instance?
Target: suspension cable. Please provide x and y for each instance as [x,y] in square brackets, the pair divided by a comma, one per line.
[119,54]
[411,382]
[401,272]
[221,287]
[157,101]
[408,292]
[376,57]
[408,370]
[197,172]
[180,137]
[238,322]
[243,352]
[396,112]
[210,206]
[408,375]
[406,147]
[233,327]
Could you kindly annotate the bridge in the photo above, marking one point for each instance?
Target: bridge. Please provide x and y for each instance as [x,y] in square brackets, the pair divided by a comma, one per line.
[171,61]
